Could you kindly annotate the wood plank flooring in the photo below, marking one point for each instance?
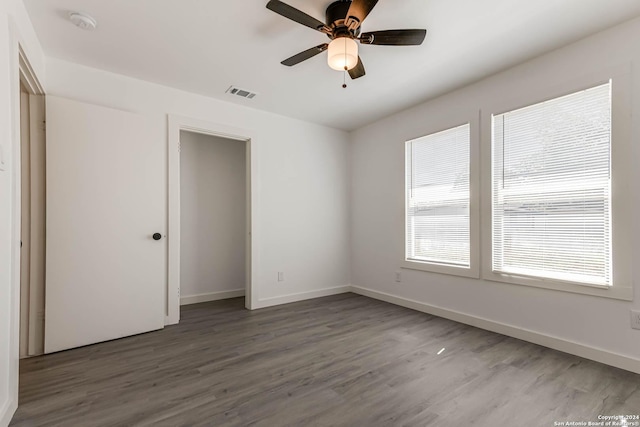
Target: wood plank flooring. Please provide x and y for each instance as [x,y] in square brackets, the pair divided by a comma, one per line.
[344,360]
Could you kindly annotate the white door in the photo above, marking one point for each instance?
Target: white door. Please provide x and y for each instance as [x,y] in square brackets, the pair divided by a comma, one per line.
[106,186]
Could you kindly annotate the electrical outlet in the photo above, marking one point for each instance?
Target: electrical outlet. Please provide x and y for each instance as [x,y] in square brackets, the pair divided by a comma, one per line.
[280,276]
[3,162]
[398,277]
[635,319]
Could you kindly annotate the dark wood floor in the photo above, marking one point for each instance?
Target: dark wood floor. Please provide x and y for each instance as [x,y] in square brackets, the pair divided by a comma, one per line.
[344,360]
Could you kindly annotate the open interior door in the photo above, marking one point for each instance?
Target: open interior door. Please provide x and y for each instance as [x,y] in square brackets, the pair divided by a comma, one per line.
[106,198]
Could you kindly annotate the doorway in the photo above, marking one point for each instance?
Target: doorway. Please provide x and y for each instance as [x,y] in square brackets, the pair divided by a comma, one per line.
[213,206]
[249,139]
[32,213]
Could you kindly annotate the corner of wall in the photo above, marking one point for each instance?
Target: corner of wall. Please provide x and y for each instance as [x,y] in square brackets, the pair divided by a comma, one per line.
[8,410]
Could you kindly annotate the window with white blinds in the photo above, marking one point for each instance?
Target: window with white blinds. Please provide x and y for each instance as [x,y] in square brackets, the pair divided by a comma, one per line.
[437,198]
[551,189]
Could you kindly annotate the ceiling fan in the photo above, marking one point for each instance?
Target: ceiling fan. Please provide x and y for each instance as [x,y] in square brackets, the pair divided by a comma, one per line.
[344,18]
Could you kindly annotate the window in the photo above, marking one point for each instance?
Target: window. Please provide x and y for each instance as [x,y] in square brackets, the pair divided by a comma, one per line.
[551,189]
[437,222]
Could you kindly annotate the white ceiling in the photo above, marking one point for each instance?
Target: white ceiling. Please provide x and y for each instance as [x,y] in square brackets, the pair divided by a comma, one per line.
[204,46]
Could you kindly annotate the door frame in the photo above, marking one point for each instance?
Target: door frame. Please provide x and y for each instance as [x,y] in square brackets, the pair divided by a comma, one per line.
[252,235]
[19,69]
[36,216]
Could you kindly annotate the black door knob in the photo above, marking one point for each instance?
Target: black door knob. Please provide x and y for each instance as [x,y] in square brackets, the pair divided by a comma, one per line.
[157,236]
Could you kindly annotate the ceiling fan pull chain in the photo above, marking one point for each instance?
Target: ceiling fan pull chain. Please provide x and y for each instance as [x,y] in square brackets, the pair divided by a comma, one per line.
[345,53]
[344,74]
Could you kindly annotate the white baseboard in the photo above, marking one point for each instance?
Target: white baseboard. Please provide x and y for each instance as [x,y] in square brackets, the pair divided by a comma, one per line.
[286,299]
[6,412]
[592,353]
[211,296]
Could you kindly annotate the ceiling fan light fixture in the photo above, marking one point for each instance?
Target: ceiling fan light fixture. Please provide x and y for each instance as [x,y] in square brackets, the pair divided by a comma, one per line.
[343,28]
[343,52]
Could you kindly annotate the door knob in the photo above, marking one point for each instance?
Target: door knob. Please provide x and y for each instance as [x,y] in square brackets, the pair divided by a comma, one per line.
[157,236]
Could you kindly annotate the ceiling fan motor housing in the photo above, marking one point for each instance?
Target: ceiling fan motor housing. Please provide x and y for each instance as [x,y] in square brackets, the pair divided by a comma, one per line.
[336,15]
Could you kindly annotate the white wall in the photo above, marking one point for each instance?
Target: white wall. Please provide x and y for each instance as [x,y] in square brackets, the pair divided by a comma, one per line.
[303,177]
[378,198]
[14,26]
[212,216]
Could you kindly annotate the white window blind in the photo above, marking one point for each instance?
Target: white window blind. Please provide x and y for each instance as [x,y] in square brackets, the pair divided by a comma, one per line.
[437,195]
[551,189]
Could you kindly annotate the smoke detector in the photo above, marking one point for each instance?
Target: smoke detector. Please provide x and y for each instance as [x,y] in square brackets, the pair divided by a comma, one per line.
[83,21]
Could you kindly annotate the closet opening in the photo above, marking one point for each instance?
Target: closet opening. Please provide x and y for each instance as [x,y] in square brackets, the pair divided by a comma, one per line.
[213,218]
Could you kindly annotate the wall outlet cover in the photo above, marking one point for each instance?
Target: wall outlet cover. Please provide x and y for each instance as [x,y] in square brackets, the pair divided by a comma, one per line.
[635,319]
[3,161]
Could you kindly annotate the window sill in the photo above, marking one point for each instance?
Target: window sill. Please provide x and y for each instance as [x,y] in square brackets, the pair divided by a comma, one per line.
[441,268]
[616,292]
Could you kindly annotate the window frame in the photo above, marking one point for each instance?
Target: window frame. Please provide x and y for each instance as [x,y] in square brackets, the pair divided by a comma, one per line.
[473,271]
[621,181]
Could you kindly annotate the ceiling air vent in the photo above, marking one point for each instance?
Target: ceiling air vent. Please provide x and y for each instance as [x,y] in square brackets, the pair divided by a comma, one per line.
[241,92]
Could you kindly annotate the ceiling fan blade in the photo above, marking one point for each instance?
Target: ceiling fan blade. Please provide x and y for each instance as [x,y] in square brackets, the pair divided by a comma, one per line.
[296,15]
[394,37]
[358,11]
[303,56]
[358,70]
